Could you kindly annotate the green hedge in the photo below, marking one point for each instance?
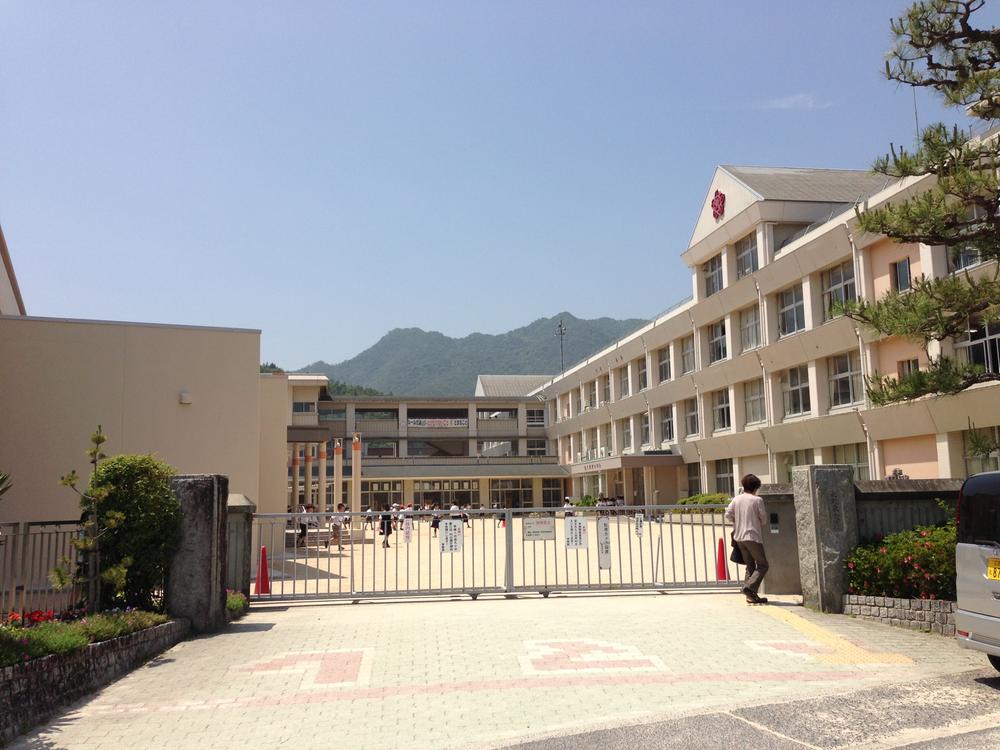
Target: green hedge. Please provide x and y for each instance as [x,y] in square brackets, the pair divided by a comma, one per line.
[704,498]
[916,564]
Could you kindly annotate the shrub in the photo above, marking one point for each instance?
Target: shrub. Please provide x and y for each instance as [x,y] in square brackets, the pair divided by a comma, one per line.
[141,520]
[704,498]
[236,604]
[916,564]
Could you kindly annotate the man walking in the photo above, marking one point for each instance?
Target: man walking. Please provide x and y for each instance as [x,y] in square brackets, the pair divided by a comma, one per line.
[747,513]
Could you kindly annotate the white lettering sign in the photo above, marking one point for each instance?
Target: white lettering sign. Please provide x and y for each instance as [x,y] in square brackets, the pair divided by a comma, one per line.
[576,532]
[604,543]
[640,519]
[539,529]
[436,423]
[450,534]
[408,529]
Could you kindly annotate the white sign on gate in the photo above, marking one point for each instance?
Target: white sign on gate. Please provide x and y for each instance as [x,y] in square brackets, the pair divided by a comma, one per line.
[604,543]
[539,529]
[408,529]
[450,534]
[640,519]
[576,533]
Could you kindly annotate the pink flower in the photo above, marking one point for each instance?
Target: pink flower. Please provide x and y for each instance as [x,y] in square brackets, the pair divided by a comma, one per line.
[850,565]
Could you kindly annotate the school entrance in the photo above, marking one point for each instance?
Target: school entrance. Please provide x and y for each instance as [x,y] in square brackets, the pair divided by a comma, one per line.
[491,551]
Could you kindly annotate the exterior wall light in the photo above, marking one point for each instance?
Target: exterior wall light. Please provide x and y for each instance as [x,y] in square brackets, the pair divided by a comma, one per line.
[184,397]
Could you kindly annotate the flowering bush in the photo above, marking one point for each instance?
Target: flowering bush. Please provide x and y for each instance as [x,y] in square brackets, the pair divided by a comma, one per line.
[236,604]
[917,564]
[42,632]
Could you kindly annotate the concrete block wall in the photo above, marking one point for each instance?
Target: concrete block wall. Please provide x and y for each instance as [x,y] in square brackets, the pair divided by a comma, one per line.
[927,615]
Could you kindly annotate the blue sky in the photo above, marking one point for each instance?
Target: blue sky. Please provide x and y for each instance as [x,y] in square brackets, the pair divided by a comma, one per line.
[327,171]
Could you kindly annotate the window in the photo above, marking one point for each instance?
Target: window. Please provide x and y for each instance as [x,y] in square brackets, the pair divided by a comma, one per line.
[856,456]
[644,429]
[627,433]
[537,447]
[623,382]
[535,417]
[791,311]
[906,367]
[724,475]
[982,346]
[511,493]
[746,256]
[691,416]
[643,380]
[795,390]
[750,328]
[687,354]
[592,394]
[788,461]
[664,363]
[717,341]
[977,463]
[838,286]
[978,517]
[900,275]
[667,423]
[720,410]
[606,389]
[753,401]
[378,448]
[694,479]
[845,379]
[552,496]
[336,414]
[712,271]
[967,256]
[304,407]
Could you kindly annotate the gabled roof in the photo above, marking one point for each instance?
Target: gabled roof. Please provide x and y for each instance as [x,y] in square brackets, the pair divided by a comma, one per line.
[803,184]
[7,272]
[508,385]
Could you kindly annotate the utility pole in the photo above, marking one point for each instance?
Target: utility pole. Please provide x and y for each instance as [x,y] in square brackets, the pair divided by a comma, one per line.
[561,333]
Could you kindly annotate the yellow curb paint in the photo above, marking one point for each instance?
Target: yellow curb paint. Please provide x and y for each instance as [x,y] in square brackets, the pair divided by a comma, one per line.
[844,652]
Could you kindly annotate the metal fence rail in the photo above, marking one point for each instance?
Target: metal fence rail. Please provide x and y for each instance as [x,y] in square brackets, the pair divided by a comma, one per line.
[29,551]
[472,552]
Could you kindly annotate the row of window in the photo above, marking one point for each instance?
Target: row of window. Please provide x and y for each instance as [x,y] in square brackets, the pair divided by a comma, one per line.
[845,383]
[746,263]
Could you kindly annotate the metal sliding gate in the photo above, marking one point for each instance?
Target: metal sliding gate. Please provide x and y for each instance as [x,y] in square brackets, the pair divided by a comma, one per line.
[473,552]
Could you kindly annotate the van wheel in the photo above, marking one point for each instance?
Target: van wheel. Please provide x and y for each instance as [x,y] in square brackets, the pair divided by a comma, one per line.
[995,661]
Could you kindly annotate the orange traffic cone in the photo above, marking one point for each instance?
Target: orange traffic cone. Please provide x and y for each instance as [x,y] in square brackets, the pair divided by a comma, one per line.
[263,583]
[721,568]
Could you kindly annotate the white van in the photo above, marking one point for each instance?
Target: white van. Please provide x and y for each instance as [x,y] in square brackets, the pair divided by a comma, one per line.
[977,565]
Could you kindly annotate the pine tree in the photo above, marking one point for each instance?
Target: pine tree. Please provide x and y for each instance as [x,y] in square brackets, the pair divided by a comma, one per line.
[937,47]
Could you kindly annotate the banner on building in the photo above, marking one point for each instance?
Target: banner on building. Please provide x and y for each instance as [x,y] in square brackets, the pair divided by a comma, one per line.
[576,532]
[450,534]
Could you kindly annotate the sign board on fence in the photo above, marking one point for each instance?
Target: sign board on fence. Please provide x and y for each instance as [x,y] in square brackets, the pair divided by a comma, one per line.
[450,534]
[604,543]
[576,533]
[408,529]
[539,529]
[640,519]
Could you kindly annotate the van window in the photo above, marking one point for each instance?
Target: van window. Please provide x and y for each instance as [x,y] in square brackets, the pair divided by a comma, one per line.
[979,511]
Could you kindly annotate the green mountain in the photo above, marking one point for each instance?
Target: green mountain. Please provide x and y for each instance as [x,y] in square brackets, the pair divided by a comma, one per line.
[411,361]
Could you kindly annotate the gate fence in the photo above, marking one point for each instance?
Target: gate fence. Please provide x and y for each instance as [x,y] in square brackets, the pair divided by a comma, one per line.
[473,552]
[29,551]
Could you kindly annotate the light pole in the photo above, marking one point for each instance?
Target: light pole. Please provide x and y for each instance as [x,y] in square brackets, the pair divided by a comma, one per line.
[561,333]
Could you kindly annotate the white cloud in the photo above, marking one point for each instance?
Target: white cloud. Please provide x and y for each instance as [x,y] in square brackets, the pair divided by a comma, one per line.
[794,101]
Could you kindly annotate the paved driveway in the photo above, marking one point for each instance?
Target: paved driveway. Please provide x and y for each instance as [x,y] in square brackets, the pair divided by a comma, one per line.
[454,674]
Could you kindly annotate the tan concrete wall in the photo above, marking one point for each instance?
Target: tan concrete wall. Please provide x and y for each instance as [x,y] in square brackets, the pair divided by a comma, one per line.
[60,379]
[756,465]
[892,351]
[916,456]
[275,414]
[882,254]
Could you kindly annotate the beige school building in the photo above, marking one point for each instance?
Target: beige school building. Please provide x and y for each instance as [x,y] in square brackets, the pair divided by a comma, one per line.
[753,373]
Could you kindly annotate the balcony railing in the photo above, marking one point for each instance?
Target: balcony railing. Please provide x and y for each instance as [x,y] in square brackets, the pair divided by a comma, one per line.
[461,460]
[496,427]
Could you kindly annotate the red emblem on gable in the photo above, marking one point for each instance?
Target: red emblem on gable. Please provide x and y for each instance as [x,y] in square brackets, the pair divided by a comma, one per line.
[718,205]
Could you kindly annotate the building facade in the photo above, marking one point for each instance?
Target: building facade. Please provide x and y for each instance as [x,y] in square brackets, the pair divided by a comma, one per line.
[483,451]
[756,372]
